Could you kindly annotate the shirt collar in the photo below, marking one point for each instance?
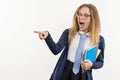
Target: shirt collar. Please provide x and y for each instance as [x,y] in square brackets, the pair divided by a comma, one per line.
[81,32]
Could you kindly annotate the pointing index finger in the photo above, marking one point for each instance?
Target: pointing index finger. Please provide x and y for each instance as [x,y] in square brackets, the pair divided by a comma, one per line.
[37,32]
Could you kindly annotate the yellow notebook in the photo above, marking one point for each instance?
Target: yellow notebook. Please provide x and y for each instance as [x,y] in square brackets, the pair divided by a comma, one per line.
[98,52]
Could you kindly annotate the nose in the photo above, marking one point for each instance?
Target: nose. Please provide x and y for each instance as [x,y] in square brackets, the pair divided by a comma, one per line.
[82,17]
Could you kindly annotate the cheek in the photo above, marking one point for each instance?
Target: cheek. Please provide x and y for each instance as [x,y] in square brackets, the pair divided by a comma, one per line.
[87,23]
[77,19]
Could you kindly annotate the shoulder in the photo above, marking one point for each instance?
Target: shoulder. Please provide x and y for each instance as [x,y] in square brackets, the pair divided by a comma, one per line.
[66,31]
[102,38]
[102,41]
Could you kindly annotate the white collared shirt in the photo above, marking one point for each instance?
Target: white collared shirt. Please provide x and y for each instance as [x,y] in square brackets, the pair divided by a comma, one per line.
[74,45]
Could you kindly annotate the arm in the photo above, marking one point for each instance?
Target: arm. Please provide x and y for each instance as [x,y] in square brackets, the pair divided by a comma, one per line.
[87,64]
[100,60]
[57,47]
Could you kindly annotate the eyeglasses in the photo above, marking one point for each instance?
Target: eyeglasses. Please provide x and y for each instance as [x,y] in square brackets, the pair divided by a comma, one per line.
[84,15]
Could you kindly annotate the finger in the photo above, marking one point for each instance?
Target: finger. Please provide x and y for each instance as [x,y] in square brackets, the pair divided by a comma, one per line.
[88,60]
[37,32]
[83,67]
[41,36]
[85,61]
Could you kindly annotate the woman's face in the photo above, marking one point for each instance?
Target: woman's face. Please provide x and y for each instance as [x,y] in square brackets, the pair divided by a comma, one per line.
[83,19]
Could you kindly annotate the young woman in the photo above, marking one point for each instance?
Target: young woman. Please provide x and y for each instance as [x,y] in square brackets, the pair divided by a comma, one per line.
[85,21]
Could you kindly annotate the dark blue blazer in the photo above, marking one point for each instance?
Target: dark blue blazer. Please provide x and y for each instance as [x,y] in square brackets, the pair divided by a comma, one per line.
[63,44]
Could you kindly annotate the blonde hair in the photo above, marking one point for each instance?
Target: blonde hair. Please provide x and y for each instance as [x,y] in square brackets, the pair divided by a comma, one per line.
[94,26]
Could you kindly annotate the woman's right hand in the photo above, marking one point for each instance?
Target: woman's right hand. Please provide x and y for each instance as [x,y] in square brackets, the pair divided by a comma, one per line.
[42,34]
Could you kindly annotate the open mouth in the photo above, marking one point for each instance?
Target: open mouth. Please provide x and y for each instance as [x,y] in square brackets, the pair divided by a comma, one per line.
[81,24]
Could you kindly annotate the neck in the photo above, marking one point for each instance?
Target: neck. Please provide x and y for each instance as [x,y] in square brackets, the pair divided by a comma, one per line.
[84,31]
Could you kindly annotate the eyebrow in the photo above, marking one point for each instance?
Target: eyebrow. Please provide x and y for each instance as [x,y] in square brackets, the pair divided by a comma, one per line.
[83,13]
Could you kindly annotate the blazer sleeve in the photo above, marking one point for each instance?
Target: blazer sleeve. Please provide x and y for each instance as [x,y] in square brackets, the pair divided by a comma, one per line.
[100,59]
[57,47]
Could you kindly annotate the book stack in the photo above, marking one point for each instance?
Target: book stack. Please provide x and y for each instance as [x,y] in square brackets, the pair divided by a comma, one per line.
[91,53]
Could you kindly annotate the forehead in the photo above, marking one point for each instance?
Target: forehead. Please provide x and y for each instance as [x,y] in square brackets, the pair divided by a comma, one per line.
[84,9]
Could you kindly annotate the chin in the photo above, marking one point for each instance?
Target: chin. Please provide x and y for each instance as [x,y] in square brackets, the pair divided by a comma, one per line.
[82,29]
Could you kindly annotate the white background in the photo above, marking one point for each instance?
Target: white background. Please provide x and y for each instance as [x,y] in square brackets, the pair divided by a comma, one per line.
[24,57]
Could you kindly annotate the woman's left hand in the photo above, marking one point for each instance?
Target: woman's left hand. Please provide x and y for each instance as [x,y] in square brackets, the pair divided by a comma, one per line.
[86,64]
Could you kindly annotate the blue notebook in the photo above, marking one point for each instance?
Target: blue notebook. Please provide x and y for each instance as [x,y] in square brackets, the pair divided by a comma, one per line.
[91,53]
